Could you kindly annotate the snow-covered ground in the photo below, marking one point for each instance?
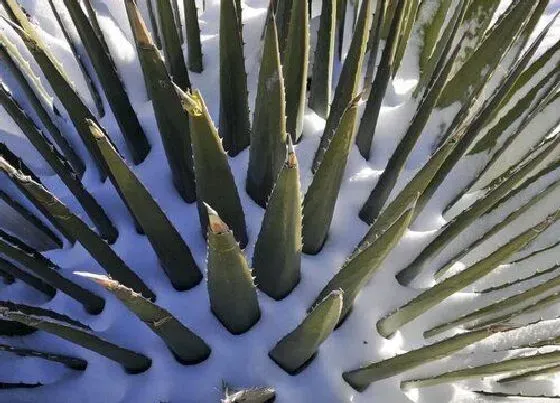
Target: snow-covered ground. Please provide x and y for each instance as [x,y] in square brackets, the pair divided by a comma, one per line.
[242,360]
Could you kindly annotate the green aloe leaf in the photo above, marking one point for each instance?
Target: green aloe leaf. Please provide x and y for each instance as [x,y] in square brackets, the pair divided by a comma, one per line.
[131,361]
[364,263]
[537,274]
[112,85]
[277,255]
[173,253]
[506,366]
[172,44]
[214,181]
[368,123]
[408,20]
[320,200]
[233,296]
[320,92]
[234,108]
[74,228]
[349,80]
[153,23]
[435,295]
[361,378]
[295,62]
[187,347]
[192,31]
[67,360]
[59,165]
[171,119]
[373,45]
[268,137]
[254,395]
[531,374]
[17,251]
[298,348]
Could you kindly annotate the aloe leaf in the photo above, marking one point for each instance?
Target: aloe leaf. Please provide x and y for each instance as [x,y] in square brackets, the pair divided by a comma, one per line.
[14,63]
[373,45]
[536,252]
[187,347]
[32,281]
[435,295]
[133,362]
[43,312]
[17,251]
[341,20]
[153,23]
[388,179]
[475,124]
[364,263]
[59,165]
[11,329]
[19,385]
[192,32]
[234,108]
[74,228]
[54,73]
[295,62]
[277,255]
[390,10]
[92,16]
[112,85]
[174,255]
[172,44]
[320,92]
[368,123]
[268,137]
[408,20]
[498,227]
[349,80]
[483,371]
[283,11]
[321,196]
[527,397]
[459,223]
[34,222]
[214,181]
[172,120]
[298,348]
[233,296]
[488,54]
[83,69]
[361,378]
[67,360]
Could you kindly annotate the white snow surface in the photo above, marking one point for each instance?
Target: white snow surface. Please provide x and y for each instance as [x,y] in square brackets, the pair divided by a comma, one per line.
[242,360]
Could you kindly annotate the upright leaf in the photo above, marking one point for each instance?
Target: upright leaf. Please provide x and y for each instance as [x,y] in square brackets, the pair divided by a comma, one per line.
[234,108]
[233,296]
[268,137]
[192,31]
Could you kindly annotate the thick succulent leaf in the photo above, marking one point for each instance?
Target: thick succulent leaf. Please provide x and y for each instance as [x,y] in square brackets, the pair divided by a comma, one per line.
[172,120]
[408,20]
[67,360]
[187,347]
[295,63]
[30,280]
[172,44]
[234,108]
[320,200]
[268,136]
[277,255]
[364,263]
[233,296]
[192,31]
[214,181]
[131,361]
[321,83]
[297,348]
[173,253]
[435,295]
[349,80]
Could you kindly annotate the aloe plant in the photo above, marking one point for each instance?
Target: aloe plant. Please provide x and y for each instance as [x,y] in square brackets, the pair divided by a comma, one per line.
[183,156]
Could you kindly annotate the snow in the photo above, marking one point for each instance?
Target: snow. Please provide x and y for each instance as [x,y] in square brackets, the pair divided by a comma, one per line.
[242,361]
